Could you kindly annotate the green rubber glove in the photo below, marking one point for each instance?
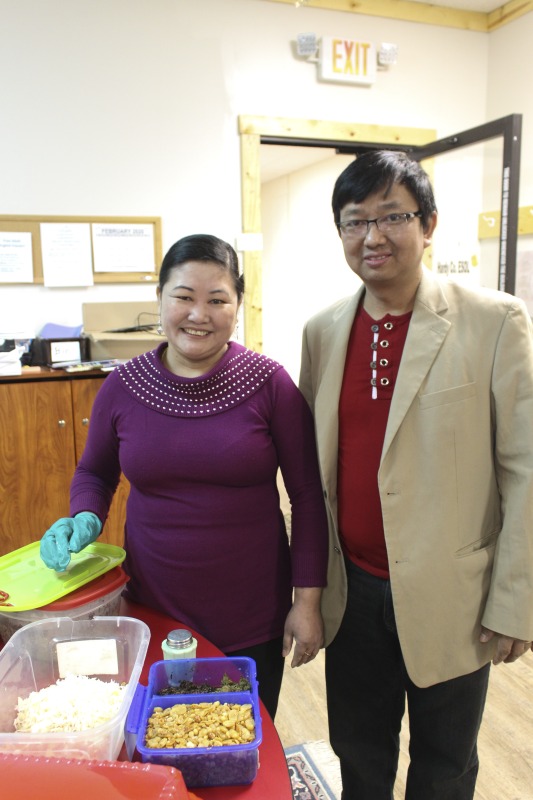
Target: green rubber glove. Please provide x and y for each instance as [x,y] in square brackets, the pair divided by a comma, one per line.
[68,535]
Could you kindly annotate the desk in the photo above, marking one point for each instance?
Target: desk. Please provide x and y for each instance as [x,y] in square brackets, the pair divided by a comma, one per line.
[272,781]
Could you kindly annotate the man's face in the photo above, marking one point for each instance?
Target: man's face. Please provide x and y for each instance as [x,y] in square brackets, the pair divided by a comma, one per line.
[387,259]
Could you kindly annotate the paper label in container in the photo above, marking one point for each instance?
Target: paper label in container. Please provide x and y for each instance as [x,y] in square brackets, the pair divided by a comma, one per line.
[87,657]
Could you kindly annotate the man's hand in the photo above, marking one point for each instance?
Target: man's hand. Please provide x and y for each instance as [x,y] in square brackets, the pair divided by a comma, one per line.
[507,648]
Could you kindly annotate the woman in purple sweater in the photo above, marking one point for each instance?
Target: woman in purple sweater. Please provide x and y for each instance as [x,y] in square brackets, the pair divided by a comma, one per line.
[199,427]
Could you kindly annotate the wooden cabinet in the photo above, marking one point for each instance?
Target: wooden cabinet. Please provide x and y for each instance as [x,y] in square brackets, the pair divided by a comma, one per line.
[83,394]
[43,428]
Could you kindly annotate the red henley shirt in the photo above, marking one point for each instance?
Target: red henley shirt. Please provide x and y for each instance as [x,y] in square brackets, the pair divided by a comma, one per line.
[372,362]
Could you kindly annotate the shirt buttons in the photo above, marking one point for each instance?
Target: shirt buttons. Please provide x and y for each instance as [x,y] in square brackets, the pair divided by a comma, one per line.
[374,346]
[373,364]
[374,328]
[373,382]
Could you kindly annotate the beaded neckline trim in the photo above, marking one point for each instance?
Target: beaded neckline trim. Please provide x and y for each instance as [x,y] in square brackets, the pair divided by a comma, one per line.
[241,373]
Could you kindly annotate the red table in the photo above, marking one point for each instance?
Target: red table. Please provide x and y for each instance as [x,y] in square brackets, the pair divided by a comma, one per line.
[272,781]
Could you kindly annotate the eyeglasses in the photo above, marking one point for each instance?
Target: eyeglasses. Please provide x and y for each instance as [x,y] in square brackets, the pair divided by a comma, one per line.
[390,223]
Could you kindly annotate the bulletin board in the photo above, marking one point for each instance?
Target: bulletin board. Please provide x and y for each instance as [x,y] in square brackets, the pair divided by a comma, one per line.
[101,272]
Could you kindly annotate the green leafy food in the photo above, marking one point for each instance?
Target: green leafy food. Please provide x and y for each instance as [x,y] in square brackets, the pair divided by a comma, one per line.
[226,685]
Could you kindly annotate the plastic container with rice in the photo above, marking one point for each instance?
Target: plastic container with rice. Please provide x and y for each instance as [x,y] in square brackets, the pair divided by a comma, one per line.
[106,649]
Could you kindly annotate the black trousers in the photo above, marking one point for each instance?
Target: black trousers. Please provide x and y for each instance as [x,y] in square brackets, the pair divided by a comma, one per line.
[367,688]
[269,661]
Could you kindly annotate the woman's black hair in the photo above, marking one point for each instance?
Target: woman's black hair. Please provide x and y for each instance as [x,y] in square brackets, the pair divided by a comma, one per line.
[381,169]
[203,247]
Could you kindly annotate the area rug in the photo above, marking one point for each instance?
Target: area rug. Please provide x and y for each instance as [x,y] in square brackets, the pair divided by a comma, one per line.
[314,771]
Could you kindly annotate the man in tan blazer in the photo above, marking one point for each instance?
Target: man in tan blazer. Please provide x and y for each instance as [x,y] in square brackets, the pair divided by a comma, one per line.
[422,392]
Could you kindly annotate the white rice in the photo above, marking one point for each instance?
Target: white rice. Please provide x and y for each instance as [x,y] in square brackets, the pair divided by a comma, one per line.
[75,703]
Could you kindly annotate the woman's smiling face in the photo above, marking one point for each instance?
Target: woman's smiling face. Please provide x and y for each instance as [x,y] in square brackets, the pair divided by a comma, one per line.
[199,306]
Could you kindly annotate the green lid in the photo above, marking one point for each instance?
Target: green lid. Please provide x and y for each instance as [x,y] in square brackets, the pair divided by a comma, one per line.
[30,584]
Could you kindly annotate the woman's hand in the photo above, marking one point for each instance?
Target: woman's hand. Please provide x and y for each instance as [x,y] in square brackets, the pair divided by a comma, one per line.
[304,626]
[68,535]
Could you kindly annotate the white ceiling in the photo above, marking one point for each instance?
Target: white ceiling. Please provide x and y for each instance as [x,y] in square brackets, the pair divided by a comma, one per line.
[278,159]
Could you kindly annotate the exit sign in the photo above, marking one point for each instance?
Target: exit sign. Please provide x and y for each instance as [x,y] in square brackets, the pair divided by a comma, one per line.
[347,61]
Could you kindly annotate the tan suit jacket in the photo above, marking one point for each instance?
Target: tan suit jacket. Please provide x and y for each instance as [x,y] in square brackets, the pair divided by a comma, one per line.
[456,472]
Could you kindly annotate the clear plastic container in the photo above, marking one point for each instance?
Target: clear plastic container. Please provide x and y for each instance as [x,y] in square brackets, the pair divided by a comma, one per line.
[29,662]
[201,766]
[99,598]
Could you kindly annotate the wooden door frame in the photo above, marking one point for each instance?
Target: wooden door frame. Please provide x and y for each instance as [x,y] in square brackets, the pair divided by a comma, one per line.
[251,130]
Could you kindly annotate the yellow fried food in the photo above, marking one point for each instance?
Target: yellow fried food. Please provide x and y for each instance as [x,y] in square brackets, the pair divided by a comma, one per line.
[190,725]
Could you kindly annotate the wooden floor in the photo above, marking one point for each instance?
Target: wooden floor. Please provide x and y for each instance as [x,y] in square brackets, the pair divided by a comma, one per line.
[505,743]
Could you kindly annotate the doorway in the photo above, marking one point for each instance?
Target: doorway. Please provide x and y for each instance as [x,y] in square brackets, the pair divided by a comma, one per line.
[310,133]
[352,140]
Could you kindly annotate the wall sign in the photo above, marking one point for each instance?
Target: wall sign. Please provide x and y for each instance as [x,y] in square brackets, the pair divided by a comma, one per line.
[347,61]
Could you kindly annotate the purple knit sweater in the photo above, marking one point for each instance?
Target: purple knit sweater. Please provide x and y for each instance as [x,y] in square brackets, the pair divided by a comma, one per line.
[205,537]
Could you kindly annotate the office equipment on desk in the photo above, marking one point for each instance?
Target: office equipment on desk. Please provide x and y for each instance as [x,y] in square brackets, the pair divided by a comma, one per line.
[121,330]
[104,365]
[55,351]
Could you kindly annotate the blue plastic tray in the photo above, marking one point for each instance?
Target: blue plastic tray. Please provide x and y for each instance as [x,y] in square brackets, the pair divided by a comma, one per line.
[201,766]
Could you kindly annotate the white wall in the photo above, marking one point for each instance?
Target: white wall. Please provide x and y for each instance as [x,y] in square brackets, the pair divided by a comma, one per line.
[509,88]
[124,107]
[303,263]
[509,82]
